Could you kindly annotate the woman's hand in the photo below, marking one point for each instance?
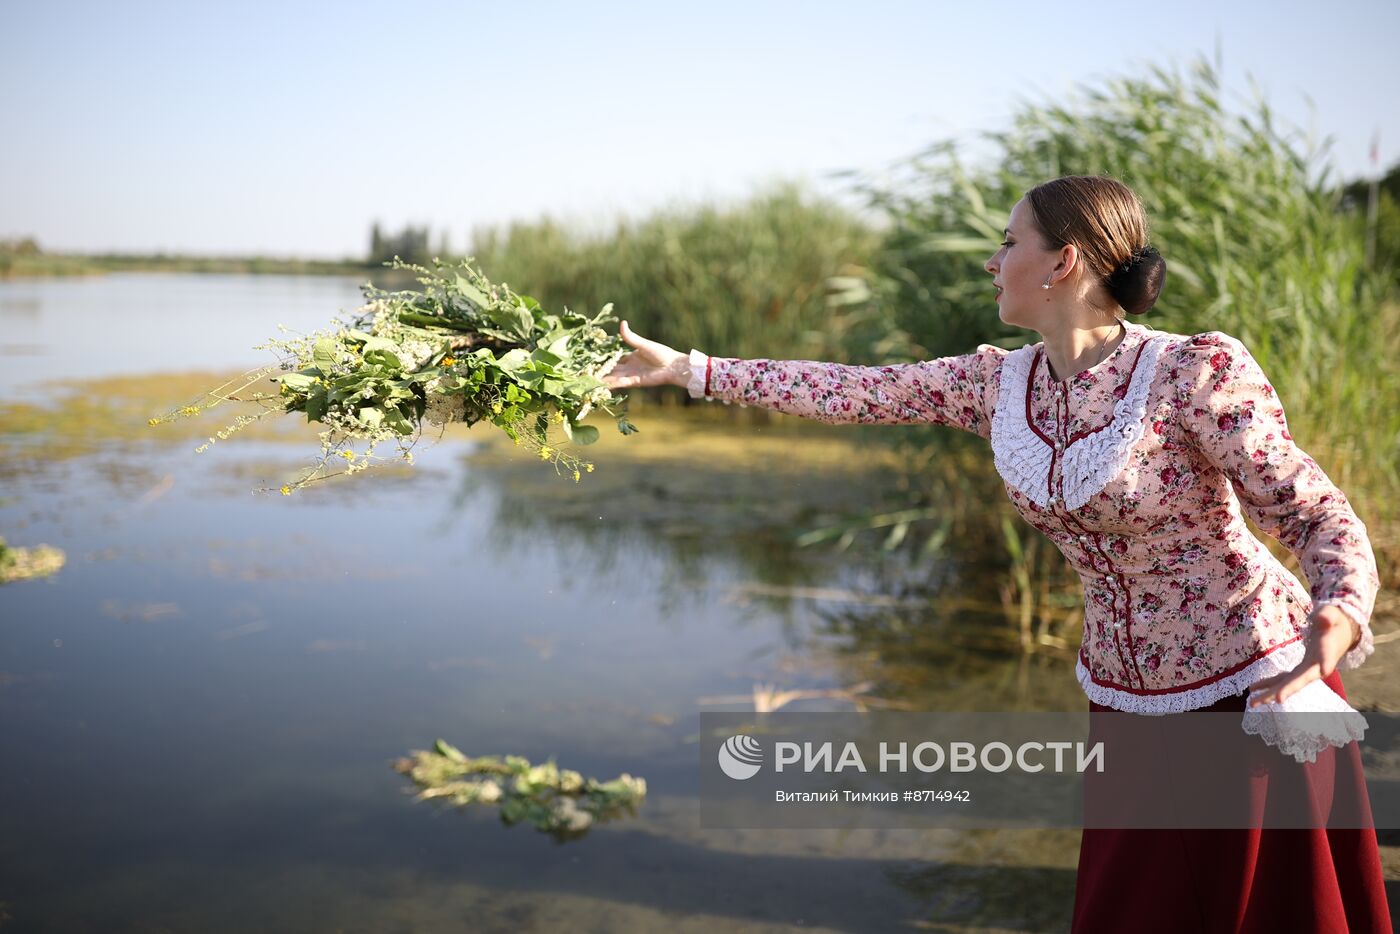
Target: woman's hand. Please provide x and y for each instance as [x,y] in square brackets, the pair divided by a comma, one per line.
[651,364]
[1333,634]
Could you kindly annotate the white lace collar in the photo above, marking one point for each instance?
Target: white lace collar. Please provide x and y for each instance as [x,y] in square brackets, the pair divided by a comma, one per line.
[1023,457]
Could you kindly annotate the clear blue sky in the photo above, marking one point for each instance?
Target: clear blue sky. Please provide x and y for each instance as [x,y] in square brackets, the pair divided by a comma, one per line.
[287,128]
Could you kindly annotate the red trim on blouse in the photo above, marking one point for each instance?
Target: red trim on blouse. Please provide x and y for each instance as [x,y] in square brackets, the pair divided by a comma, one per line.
[1127,632]
[1093,431]
[1030,418]
[708,361]
[1030,384]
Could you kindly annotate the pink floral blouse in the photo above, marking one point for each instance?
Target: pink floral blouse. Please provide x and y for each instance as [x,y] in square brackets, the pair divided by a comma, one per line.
[1140,469]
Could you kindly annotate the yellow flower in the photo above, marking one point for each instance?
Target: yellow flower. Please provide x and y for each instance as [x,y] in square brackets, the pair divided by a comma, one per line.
[496,407]
[449,360]
[190,410]
[348,455]
[576,476]
[559,417]
[588,467]
[152,421]
[286,491]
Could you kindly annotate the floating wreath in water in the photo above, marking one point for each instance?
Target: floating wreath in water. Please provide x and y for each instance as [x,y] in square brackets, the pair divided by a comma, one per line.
[18,564]
[461,349]
[557,801]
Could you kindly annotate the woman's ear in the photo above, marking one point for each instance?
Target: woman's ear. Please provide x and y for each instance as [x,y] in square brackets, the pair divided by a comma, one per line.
[1069,260]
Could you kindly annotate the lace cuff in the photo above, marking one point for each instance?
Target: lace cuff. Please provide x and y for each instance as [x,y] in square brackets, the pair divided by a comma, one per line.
[1367,643]
[699,374]
[1305,724]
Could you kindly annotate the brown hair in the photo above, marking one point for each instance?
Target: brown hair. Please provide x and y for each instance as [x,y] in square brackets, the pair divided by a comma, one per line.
[1104,219]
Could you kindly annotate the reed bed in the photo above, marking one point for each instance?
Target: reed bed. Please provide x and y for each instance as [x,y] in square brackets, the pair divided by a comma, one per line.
[767,277]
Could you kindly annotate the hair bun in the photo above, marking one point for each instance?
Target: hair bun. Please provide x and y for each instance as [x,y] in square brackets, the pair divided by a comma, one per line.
[1137,281]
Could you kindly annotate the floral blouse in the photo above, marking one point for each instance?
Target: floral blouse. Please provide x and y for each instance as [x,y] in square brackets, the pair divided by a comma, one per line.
[1140,469]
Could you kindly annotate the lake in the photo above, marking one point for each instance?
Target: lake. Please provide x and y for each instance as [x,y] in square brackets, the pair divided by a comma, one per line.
[200,710]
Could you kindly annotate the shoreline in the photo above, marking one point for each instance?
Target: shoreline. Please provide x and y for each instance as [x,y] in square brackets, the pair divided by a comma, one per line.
[57,266]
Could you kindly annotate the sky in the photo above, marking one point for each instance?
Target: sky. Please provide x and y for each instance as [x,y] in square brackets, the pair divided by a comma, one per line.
[288,128]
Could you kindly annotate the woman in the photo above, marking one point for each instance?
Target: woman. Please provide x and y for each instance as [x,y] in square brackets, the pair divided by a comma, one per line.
[1134,451]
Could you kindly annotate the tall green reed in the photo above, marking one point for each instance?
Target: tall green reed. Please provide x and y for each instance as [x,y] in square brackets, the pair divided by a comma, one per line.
[754,279]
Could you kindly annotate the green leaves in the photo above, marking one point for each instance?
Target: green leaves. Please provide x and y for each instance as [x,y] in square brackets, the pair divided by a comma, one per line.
[517,320]
[557,801]
[370,341]
[383,357]
[459,349]
[299,382]
[447,750]
[324,355]
[579,434]
[471,293]
[514,361]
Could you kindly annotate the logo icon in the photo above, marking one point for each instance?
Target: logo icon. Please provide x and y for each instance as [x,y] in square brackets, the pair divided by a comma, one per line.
[740,757]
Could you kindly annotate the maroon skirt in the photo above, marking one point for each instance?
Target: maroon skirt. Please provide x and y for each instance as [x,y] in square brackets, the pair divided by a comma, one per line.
[1247,880]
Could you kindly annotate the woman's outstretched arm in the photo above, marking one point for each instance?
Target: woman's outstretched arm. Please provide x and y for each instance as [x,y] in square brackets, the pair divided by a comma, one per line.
[947,391]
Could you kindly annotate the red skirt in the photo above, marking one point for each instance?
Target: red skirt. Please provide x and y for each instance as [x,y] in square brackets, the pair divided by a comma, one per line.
[1248,880]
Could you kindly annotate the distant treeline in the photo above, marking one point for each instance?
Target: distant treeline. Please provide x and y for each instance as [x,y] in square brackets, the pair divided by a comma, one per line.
[28,260]
[25,257]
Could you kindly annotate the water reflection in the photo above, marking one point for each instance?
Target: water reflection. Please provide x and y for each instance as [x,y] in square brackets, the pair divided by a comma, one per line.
[924,632]
[131,323]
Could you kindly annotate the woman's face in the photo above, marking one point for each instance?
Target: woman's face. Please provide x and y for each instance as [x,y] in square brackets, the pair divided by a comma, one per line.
[1020,268]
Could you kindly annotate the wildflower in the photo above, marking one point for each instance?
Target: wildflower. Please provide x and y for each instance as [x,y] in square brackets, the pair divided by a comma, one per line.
[545,451]
[576,476]
[496,407]
[488,792]
[286,491]
[190,410]
[589,467]
[559,417]
[449,360]
[153,421]
[348,455]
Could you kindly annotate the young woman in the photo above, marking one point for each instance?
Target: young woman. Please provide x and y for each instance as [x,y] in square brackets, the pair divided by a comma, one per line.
[1135,451]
